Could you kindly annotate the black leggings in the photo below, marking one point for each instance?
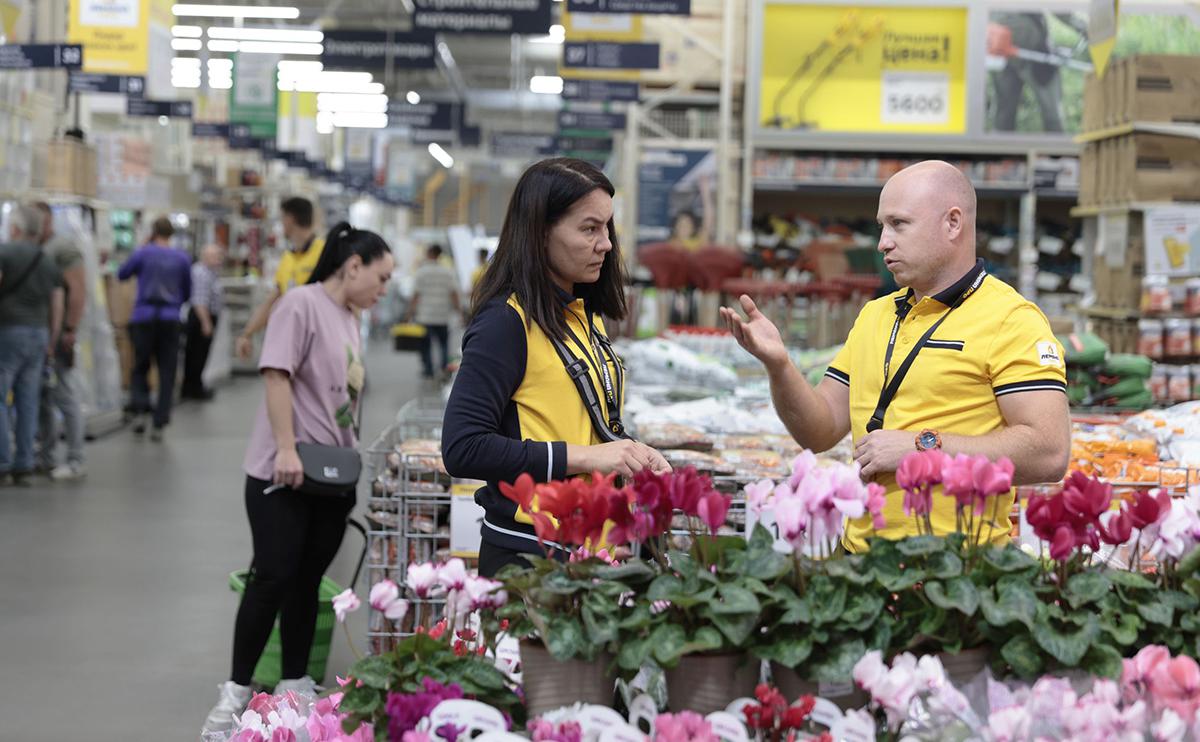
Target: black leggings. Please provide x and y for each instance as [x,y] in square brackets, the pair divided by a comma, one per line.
[296,536]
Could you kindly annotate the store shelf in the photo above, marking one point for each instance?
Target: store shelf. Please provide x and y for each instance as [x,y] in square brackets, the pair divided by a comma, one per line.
[1191,131]
[867,187]
[56,197]
[1121,208]
[1053,194]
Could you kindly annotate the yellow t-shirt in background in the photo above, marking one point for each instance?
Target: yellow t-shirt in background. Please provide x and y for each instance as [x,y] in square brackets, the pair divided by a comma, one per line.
[295,267]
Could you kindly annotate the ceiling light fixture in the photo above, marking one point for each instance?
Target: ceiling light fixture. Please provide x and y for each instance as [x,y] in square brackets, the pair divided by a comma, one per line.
[546,84]
[441,155]
[413,97]
[190,32]
[359,120]
[272,47]
[266,34]
[187,45]
[219,45]
[352,103]
[235,11]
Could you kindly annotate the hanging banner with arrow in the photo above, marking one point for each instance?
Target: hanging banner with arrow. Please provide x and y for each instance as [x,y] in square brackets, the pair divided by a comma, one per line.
[170,108]
[1102,32]
[39,56]
[85,82]
[639,7]
[483,16]
[605,55]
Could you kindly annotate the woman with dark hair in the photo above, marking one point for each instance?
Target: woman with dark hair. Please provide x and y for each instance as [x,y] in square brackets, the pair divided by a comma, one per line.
[312,368]
[539,389]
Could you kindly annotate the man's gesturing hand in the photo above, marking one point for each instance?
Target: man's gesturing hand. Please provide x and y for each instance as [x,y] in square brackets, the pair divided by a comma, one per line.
[756,334]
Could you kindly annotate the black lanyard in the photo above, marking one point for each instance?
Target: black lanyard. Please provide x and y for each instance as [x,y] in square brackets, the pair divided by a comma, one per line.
[611,429]
[888,393]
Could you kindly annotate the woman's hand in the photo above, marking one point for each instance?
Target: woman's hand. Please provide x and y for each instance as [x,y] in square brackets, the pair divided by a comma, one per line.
[289,472]
[625,458]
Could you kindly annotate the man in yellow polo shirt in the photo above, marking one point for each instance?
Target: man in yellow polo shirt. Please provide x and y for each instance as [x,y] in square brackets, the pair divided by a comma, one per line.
[304,250]
[956,360]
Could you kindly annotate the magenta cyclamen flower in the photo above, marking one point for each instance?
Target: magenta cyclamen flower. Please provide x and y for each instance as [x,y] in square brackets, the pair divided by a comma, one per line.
[917,475]
[541,730]
[405,710]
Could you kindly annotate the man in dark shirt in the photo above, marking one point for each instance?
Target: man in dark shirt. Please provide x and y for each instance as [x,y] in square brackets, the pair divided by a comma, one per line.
[31,308]
[164,284]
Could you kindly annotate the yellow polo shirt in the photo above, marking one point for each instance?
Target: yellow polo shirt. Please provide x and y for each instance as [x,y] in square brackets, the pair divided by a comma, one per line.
[995,343]
[295,267]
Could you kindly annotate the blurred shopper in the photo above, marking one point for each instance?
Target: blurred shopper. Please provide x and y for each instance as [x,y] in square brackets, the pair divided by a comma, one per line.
[434,302]
[304,251]
[311,364]
[164,284]
[31,312]
[60,392]
[514,408]
[477,274]
[206,304]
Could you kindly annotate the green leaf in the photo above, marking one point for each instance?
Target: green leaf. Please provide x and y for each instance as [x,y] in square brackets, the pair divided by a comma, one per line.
[566,639]
[560,583]
[906,579]
[1156,611]
[736,599]
[761,560]
[1190,563]
[1125,578]
[668,640]
[483,675]
[1067,645]
[632,572]
[795,609]
[634,652]
[826,598]
[932,621]
[788,651]
[640,616]
[1014,603]
[849,568]
[374,671]
[920,545]
[943,565]
[1087,587]
[862,609]
[1021,654]
[601,625]
[958,593]
[736,627]
[664,587]
[1122,627]
[838,665]
[706,639]
[1103,661]
[1190,622]
[1181,602]
[1009,559]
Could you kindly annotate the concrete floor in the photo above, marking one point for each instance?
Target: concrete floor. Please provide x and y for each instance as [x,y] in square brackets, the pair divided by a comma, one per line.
[116,619]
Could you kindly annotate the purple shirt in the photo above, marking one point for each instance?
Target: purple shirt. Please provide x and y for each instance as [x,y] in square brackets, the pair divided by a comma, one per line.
[164,282]
[317,343]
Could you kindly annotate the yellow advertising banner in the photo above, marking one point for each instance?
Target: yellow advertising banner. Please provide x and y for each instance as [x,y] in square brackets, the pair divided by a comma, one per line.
[114,34]
[845,68]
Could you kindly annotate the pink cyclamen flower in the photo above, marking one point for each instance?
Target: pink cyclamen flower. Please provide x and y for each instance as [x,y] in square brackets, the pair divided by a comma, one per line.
[1008,725]
[992,478]
[1169,728]
[1139,669]
[685,726]
[248,735]
[712,508]
[283,734]
[1178,531]
[792,519]
[422,578]
[453,574]
[344,603]
[876,501]
[383,594]
[917,475]
[415,736]
[802,466]
[958,479]
[869,670]
[758,494]
[1176,685]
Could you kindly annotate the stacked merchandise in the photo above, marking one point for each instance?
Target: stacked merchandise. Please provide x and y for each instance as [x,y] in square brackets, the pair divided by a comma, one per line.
[1156,448]
[1169,332]
[1096,378]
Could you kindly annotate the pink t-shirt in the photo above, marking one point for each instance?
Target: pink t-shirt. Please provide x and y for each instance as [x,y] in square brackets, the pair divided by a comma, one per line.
[317,343]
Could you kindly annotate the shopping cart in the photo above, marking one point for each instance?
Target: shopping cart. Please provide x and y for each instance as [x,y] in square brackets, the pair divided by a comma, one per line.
[270,665]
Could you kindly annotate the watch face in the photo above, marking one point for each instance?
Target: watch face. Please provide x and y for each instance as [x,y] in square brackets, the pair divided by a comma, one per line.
[928,440]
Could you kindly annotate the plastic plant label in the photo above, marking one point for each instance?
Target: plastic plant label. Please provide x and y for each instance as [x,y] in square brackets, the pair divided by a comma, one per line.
[727,726]
[915,98]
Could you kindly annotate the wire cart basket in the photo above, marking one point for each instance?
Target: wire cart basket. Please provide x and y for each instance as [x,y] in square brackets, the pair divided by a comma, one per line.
[408,512]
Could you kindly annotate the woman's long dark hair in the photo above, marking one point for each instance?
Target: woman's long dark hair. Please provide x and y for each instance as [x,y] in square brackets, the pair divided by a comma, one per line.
[521,265]
[342,242]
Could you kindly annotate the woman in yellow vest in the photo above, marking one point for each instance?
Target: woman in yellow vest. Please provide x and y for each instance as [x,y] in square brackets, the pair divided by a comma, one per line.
[539,389]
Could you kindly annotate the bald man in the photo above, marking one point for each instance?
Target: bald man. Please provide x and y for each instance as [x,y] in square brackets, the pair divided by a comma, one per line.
[955,360]
[207,300]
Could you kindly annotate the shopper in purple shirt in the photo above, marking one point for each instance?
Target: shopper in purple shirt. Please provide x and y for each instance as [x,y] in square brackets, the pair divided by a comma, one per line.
[164,284]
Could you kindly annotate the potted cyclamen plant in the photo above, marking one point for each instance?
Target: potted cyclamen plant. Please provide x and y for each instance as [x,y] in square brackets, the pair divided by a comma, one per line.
[566,606]
[827,609]
[697,618]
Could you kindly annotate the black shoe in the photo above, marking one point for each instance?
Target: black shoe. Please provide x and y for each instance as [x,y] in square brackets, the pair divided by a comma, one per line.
[139,424]
[21,479]
[206,395]
[156,434]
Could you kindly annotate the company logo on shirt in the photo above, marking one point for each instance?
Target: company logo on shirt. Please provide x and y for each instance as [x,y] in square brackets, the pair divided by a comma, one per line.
[1048,354]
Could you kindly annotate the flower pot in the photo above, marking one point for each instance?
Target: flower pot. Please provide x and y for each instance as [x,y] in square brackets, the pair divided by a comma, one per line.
[550,684]
[962,667]
[705,683]
[845,695]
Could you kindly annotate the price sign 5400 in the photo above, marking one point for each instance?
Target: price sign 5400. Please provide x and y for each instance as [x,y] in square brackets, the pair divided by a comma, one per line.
[915,98]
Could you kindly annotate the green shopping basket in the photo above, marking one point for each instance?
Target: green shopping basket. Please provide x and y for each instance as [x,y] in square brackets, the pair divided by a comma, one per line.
[269,670]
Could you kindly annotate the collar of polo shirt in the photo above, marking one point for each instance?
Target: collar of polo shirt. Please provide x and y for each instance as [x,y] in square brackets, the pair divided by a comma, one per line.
[950,295]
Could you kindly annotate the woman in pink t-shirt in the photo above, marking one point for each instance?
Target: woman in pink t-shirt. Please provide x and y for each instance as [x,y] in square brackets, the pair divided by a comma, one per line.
[311,364]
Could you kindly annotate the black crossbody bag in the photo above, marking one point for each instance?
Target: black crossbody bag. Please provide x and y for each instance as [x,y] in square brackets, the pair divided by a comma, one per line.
[332,471]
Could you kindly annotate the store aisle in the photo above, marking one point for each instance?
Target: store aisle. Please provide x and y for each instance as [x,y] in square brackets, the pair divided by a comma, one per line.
[115,612]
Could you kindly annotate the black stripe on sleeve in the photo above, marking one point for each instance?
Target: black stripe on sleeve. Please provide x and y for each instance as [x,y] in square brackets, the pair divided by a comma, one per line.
[1037,385]
[837,375]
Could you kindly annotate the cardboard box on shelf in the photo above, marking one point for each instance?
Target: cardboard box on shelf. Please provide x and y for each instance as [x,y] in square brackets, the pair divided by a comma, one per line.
[65,166]
[1158,87]
[1150,167]
[1088,178]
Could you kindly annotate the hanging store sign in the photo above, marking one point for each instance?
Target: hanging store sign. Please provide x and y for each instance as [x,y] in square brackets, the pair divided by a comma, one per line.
[369,50]
[863,69]
[209,130]
[115,32]
[254,98]
[584,144]
[590,120]
[432,116]
[505,144]
[295,159]
[38,56]
[181,109]
[84,82]
[600,90]
[604,55]
[483,16]
[670,202]
[240,137]
[639,7]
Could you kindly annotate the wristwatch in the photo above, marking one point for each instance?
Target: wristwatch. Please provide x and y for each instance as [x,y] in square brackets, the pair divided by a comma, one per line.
[927,440]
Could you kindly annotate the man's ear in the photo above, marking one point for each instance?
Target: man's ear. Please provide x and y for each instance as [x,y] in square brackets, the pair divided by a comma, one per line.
[955,222]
